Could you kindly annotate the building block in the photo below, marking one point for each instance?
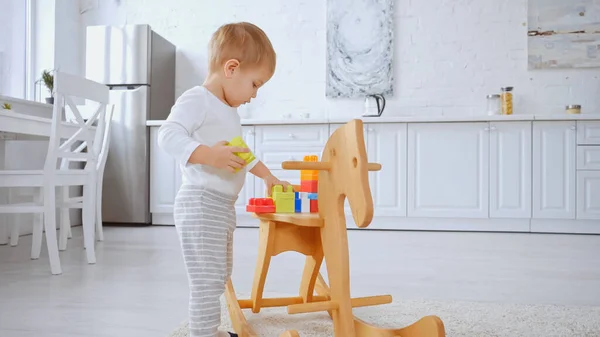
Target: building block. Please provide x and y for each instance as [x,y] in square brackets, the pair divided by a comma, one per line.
[314,206]
[260,205]
[309,186]
[248,157]
[297,202]
[314,202]
[310,174]
[304,202]
[284,200]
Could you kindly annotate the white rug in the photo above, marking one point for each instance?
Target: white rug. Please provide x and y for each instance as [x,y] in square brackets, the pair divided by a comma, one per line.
[468,319]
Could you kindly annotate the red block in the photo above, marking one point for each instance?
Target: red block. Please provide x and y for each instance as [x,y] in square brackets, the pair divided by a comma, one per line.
[314,206]
[260,205]
[309,186]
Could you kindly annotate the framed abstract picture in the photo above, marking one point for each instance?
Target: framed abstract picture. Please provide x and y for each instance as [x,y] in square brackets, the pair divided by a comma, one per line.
[359,48]
[563,34]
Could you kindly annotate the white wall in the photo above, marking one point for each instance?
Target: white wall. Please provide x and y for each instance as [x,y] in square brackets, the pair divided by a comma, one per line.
[12,48]
[448,54]
[68,51]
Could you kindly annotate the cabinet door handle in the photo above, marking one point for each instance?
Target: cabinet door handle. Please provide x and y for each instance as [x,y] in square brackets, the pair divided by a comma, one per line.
[493,128]
[291,135]
[573,127]
[486,129]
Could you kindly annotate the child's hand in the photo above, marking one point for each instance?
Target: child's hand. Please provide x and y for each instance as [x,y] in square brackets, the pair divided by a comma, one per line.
[271,181]
[223,156]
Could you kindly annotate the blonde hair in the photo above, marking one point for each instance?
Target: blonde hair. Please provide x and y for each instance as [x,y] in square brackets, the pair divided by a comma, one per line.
[244,42]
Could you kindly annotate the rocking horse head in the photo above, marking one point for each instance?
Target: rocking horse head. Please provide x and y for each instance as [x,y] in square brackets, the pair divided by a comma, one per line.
[343,173]
[347,176]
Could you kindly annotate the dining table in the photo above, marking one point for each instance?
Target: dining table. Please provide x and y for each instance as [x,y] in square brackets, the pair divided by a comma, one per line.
[23,127]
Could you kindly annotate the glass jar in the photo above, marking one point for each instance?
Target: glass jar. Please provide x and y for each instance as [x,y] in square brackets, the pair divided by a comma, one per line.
[493,104]
[507,100]
[574,109]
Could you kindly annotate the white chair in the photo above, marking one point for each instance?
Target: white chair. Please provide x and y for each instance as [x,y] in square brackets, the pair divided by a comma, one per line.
[65,218]
[68,202]
[53,175]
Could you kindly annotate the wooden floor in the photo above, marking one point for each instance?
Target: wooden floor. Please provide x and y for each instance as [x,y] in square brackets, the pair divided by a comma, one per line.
[138,288]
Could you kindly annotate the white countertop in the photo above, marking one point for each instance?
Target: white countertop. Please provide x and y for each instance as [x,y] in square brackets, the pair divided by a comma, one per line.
[413,119]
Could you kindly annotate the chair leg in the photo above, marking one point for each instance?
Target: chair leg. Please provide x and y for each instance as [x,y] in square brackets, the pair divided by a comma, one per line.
[50,226]
[65,219]
[3,230]
[89,205]
[38,229]
[99,226]
[14,221]
[15,230]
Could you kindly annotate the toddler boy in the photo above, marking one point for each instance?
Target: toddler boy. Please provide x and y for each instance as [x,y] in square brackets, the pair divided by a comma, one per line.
[204,118]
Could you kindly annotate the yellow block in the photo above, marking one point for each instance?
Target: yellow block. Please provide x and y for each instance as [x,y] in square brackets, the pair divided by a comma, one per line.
[310,174]
[248,157]
[284,201]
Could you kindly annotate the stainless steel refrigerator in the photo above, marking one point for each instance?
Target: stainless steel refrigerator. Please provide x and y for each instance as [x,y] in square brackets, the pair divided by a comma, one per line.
[139,67]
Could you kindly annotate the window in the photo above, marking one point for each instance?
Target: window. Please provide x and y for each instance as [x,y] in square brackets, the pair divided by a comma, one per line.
[14,49]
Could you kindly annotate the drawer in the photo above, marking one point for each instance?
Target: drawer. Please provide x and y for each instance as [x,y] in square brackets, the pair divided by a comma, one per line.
[588,132]
[273,158]
[285,136]
[588,157]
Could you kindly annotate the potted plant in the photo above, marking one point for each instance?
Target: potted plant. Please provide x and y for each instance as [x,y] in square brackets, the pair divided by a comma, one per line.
[6,106]
[48,79]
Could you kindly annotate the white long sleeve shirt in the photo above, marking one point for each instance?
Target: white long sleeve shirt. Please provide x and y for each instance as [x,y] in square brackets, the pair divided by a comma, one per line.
[200,118]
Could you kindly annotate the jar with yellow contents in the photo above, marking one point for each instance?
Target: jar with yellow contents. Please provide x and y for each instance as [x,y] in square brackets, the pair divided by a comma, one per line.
[507,100]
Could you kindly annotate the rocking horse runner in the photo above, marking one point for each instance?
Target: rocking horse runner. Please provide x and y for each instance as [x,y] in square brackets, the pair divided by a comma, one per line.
[343,174]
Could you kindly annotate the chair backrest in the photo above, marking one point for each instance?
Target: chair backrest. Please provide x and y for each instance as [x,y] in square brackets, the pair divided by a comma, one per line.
[102,156]
[90,133]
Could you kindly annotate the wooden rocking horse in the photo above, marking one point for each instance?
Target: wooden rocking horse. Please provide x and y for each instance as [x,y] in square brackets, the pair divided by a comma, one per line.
[343,173]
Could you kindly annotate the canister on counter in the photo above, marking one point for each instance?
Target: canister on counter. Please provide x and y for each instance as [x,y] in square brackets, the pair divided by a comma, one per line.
[507,100]
[493,104]
[574,109]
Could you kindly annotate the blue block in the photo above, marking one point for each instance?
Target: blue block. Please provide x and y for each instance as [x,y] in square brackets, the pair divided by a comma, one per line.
[298,203]
[312,196]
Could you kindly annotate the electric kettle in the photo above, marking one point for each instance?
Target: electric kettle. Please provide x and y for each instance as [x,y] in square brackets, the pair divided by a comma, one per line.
[374,105]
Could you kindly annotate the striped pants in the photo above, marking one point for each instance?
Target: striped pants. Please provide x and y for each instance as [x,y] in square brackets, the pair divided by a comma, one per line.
[205,220]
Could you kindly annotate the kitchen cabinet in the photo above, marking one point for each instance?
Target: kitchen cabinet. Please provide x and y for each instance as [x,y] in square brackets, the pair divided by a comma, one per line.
[387,145]
[510,169]
[448,170]
[165,176]
[491,175]
[554,168]
[588,195]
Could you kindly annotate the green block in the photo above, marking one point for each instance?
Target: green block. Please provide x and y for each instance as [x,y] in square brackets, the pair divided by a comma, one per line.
[284,200]
[248,157]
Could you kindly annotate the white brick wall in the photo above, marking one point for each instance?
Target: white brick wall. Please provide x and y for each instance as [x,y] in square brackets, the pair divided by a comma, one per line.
[449,54]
